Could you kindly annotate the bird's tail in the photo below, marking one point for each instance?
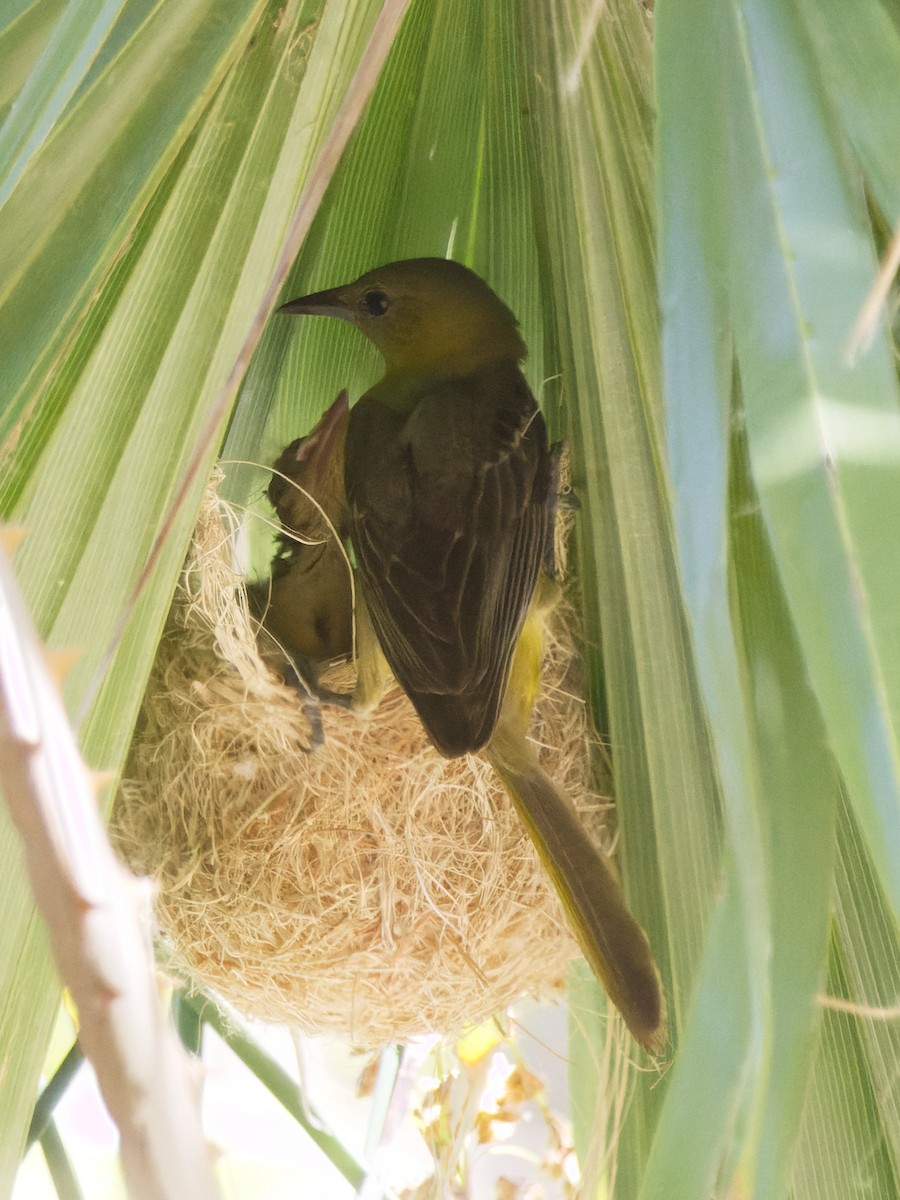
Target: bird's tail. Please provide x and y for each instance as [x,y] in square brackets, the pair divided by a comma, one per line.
[610,938]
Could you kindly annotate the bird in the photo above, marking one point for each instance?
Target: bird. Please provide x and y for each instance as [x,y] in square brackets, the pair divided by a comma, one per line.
[448,500]
[305,607]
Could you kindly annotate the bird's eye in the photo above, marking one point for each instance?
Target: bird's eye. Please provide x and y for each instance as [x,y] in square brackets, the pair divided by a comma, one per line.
[375,303]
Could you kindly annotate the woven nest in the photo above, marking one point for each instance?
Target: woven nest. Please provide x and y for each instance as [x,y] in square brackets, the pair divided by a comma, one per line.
[370,888]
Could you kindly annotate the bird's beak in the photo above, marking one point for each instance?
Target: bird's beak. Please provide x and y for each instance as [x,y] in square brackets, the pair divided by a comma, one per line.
[319,447]
[320,304]
[331,424]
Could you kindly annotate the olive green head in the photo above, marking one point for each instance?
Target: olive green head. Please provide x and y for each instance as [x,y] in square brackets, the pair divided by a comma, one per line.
[424,315]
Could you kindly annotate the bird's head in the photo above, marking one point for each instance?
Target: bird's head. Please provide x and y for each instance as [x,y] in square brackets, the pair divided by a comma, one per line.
[424,315]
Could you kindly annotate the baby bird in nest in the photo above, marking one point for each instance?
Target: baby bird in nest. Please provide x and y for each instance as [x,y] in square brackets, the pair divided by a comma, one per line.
[305,608]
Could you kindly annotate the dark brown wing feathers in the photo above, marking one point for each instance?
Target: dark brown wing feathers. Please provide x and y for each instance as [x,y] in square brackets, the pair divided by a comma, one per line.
[449,508]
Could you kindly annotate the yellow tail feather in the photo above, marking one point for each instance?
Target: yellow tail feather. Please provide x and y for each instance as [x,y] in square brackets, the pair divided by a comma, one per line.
[610,938]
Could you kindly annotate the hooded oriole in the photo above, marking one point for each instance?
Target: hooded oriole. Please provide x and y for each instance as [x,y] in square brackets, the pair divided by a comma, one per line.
[448,480]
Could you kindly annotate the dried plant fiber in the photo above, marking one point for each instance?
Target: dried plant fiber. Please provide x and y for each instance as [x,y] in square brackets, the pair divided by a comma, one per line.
[368,889]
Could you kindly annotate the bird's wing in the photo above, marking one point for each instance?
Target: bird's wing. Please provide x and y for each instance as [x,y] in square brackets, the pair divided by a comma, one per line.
[449,516]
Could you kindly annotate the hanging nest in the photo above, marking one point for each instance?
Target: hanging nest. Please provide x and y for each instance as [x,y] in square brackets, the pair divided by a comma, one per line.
[366,888]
